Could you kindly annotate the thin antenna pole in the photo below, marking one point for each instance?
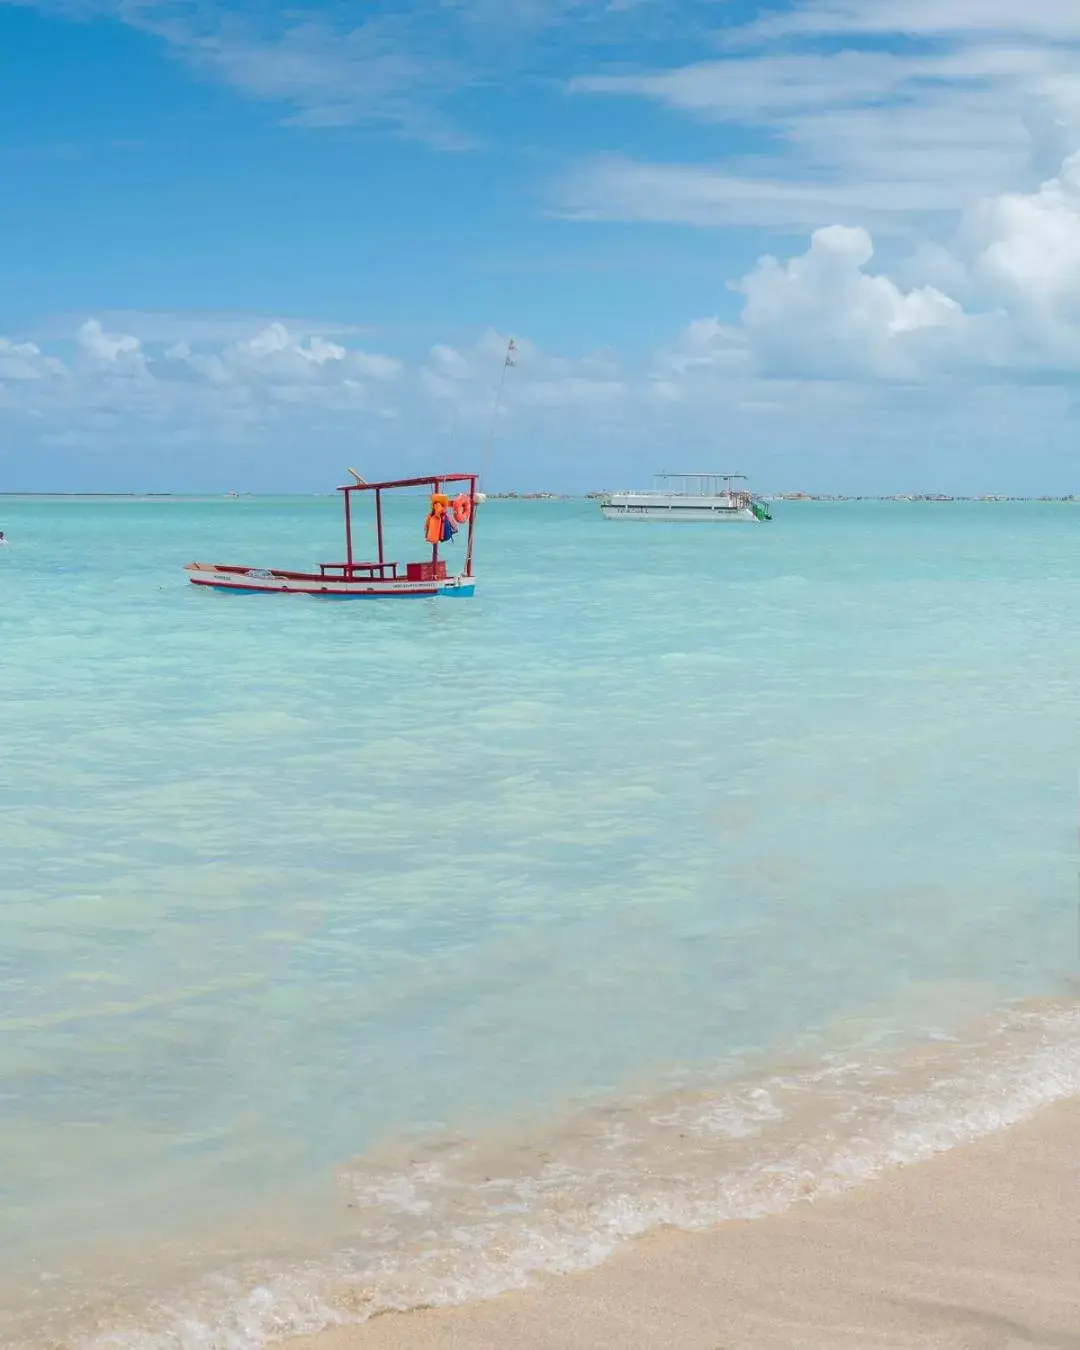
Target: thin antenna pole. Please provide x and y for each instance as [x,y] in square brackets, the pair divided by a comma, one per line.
[511,348]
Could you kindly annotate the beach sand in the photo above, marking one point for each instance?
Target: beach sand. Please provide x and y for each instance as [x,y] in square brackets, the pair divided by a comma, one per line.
[978,1247]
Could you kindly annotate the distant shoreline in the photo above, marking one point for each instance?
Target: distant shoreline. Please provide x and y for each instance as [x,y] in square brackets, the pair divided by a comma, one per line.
[112,496]
[787,497]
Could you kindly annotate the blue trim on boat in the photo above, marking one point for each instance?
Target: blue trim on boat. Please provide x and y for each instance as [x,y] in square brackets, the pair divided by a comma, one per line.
[452,591]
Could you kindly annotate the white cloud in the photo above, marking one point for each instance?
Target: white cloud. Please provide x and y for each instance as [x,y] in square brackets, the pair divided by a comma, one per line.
[1000,301]
[703,345]
[110,349]
[113,383]
[285,363]
[1026,247]
[972,99]
[888,165]
[447,363]
[274,345]
[739,88]
[823,314]
[938,137]
[372,366]
[171,326]
[465,382]
[1054,20]
[575,391]
[397,66]
[1003,302]
[330,76]
[683,194]
[26,361]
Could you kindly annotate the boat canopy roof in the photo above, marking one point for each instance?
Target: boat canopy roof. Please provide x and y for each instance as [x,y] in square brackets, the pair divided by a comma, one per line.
[698,484]
[433,481]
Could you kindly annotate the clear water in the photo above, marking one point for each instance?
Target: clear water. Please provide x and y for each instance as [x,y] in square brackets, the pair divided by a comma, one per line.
[285,882]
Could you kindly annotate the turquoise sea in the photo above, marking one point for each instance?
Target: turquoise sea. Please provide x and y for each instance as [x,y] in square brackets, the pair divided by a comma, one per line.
[361,955]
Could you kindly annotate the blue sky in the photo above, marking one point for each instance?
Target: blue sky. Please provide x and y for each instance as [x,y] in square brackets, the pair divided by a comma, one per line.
[833,243]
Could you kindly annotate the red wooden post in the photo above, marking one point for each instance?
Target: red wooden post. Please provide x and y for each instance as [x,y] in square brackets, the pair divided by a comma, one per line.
[472,526]
[378,526]
[348,531]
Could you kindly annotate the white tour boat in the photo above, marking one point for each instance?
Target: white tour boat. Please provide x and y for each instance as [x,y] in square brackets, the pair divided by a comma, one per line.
[687,496]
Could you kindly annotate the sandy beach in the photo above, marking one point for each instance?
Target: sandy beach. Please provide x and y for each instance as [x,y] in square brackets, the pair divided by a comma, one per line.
[978,1247]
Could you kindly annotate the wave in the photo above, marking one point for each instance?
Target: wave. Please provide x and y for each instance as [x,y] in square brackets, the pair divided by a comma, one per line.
[453,1218]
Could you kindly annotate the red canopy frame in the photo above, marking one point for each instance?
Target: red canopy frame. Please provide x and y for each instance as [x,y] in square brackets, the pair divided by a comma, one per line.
[388,570]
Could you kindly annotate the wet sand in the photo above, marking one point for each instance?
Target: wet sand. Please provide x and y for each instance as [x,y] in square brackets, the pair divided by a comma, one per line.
[979,1247]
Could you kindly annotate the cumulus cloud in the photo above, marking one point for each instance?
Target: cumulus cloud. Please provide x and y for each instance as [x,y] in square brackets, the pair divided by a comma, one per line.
[823,313]
[109,349]
[109,380]
[26,361]
[102,387]
[276,357]
[1002,300]
[1026,247]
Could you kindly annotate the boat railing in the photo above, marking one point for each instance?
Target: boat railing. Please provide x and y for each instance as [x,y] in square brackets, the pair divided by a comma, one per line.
[737,496]
[364,569]
[699,484]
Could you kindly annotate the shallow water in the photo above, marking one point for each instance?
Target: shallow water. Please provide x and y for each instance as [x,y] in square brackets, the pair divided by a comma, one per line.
[284,883]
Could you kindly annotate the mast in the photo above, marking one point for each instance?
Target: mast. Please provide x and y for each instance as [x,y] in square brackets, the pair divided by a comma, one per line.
[511,348]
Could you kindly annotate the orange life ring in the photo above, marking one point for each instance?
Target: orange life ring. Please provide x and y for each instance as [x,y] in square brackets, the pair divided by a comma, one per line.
[462,507]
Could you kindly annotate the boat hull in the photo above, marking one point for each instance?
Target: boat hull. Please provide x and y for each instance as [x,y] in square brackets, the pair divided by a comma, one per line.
[259,581]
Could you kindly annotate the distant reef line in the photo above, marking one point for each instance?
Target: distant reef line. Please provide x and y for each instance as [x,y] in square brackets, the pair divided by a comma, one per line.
[549,496]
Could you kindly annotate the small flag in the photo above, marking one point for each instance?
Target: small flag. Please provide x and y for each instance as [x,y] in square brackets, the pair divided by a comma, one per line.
[511,348]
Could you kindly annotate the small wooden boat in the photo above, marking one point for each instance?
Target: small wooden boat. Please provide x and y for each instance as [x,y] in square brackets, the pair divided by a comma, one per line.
[378,579]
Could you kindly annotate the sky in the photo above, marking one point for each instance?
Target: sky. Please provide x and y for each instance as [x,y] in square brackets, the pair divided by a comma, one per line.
[833,244]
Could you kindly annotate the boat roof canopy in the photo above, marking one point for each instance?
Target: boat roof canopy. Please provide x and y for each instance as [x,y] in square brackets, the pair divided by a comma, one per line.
[714,474]
[433,481]
[697,484]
